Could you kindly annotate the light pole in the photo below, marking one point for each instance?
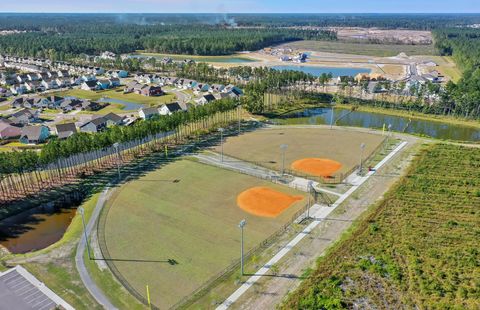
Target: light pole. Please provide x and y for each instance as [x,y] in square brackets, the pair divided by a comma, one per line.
[82,213]
[283,147]
[239,118]
[241,225]
[310,190]
[116,145]
[221,130]
[331,116]
[362,147]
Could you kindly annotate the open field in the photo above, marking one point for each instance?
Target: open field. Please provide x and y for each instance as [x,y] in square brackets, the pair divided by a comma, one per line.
[378,50]
[117,94]
[186,212]
[234,58]
[418,248]
[263,146]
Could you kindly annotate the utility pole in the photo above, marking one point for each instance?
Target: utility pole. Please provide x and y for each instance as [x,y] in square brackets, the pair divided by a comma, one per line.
[241,226]
[82,213]
[331,116]
[310,190]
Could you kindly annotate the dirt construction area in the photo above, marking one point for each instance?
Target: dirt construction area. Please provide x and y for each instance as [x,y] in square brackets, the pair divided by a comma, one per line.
[176,228]
[313,151]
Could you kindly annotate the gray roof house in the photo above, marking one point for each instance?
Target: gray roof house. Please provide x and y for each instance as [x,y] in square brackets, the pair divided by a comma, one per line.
[95,125]
[65,130]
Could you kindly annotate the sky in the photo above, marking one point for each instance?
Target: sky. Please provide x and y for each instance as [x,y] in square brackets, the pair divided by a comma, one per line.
[242,6]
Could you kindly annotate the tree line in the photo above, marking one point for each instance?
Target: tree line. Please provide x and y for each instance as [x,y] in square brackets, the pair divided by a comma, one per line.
[67,41]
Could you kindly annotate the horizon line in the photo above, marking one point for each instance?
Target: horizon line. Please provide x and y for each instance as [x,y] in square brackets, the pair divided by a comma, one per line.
[223,13]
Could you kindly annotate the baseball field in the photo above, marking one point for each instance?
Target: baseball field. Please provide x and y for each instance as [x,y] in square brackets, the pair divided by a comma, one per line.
[318,152]
[177,227]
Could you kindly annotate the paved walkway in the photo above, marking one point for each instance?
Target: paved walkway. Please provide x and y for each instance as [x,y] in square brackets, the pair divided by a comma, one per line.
[82,270]
[319,215]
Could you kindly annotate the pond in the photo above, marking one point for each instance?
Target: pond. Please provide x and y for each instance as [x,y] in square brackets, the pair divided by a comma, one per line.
[343,117]
[218,59]
[317,71]
[39,227]
[128,106]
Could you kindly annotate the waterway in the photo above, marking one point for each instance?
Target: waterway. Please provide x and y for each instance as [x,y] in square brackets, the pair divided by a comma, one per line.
[317,71]
[342,117]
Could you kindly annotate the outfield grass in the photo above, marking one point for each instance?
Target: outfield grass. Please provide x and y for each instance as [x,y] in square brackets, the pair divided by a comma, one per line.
[263,146]
[379,50]
[193,220]
[118,94]
[417,249]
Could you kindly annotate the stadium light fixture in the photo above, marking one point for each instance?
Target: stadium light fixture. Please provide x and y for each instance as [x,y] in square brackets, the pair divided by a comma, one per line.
[82,213]
[241,225]
[283,147]
[221,130]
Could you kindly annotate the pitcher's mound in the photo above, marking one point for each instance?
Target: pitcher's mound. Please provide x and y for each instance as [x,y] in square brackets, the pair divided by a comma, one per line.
[320,167]
[266,202]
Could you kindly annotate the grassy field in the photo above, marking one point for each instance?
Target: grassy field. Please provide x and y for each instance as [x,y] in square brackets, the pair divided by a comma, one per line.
[118,94]
[380,50]
[418,249]
[263,146]
[185,211]
[235,58]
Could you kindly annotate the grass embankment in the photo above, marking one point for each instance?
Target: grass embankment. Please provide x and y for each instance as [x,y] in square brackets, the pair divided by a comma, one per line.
[378,50]
[416,249]
[186,212]
[118,94]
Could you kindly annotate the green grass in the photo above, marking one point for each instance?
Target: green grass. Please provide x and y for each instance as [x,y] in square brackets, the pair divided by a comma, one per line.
[114,291]
[118,94]
[219,59]
[193,221]
[379,50]
[263,146]
[417,249]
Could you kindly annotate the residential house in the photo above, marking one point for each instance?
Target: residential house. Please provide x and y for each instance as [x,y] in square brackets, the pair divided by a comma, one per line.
[95,125]
[232,88]
[76,81]
[49,84]
[87,78]
[201,88]
[63,82]
[90,105]
[205,99]
[32,76]
[18,89]
[151,91]
[147,113]
[55,101]
[41,103]
[170,108]
[63,73]
[103,84]
[133,87]
[113,119]
[90,85]
[34,134]
[65,130]
[114,82]
[22,78]
[216,88]
[24,116]
[7,131]
[120,74]
[33,86]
